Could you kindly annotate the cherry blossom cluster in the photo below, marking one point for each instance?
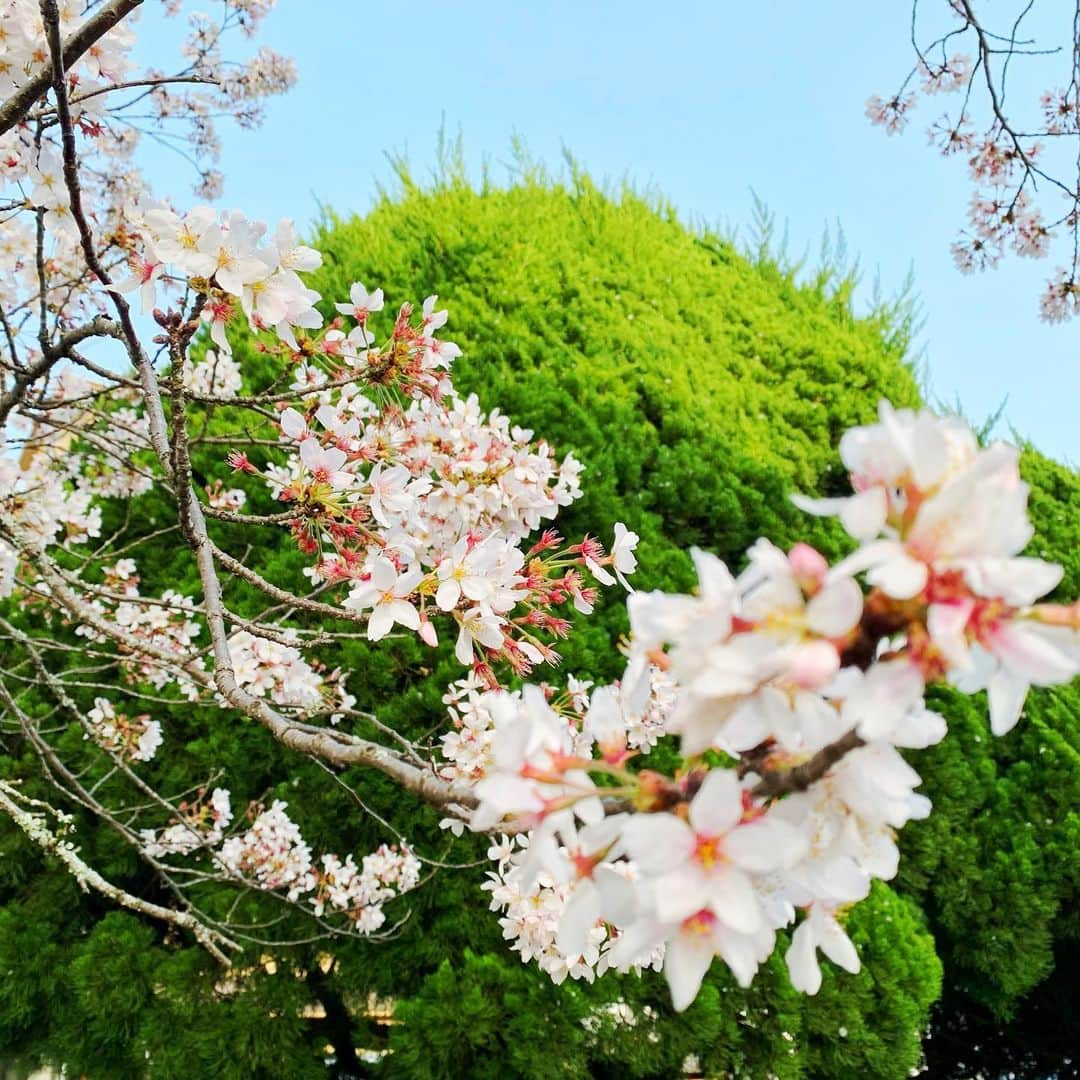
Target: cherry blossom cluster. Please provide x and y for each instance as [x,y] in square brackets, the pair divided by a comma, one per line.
[271,669]
[167,623]
[62,459]
[217,375]
[532,904]
[1008,159]
[82,439]
[272,855]
[360,891]
[280,673]
[135,738]
[108,468]
[1061,111]
[40,504]
[270,852]
[1061,299]
[201,824]
[425,479]
[23,49]
[431,560]
[808,689]
[420,507]
[592,720]
[225,257]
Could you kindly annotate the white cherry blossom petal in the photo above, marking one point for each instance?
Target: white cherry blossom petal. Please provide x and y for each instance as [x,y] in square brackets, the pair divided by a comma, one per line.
[734,901]
[836,609]
[717,806]
[802,962]
[686,962]
[658,842]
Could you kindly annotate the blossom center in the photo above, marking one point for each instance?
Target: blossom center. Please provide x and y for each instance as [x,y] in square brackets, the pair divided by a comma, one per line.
[700,923]
[708,851]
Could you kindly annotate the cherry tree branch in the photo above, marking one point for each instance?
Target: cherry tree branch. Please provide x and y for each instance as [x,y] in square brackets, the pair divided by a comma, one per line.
[775,783]
[57,351]
[335,747]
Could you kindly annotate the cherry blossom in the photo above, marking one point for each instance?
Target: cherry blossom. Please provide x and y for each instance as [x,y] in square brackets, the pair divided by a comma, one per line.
[384,592]
[703,862]
[361,303]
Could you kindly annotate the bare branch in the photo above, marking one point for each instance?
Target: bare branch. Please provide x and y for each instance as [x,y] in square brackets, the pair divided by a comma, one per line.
[33,825]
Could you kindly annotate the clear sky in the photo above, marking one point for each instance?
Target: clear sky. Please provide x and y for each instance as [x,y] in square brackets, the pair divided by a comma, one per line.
[708,102]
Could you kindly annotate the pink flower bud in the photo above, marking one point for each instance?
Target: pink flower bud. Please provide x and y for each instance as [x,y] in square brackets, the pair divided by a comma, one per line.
[808,566]
[427,632]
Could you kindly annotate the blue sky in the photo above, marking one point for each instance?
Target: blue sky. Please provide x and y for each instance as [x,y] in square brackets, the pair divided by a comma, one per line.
[708,102]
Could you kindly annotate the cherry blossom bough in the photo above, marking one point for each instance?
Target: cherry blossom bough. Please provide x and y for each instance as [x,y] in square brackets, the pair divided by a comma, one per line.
[807,687]
[1016,156]
[415,507]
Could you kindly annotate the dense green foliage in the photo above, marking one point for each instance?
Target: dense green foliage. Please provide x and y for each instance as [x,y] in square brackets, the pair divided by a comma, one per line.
[699,386]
